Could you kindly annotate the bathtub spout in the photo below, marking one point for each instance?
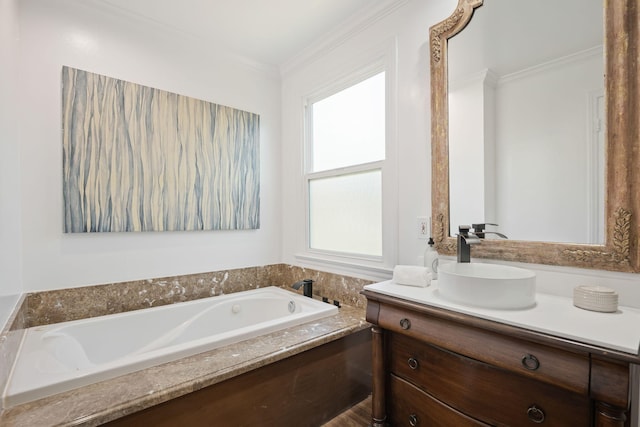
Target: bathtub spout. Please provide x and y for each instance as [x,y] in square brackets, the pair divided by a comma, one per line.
[308,287]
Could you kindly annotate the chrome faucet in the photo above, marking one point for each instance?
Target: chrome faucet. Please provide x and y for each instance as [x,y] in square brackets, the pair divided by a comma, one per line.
[307,291]
[465,240]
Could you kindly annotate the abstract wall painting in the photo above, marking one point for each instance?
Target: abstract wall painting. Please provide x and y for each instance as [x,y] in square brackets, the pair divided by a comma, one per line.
[142,159]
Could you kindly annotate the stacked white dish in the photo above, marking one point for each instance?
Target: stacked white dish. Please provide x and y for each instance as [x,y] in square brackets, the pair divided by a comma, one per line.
[595,298]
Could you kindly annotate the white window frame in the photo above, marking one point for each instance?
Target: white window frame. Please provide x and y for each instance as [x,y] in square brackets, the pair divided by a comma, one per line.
[374,267]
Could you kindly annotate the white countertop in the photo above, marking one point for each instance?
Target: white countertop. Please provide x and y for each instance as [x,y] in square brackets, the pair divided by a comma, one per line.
[553,315]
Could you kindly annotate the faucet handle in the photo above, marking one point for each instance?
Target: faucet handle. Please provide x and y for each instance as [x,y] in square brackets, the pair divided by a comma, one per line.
[464,229]
[479,228]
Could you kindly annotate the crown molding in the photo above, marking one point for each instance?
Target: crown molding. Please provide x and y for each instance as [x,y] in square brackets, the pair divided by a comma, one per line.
[596,51]
[107,8]
[341,33]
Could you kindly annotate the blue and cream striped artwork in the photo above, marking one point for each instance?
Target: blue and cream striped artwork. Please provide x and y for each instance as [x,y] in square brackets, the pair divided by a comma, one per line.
[142,159]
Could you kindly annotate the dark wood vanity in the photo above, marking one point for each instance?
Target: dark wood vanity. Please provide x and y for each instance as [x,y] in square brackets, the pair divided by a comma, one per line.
[436,367]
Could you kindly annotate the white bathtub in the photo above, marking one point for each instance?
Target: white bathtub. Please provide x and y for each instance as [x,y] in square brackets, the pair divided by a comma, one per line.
[64,356]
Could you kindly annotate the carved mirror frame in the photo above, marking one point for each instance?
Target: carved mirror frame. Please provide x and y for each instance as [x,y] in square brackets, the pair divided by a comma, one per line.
[620,252]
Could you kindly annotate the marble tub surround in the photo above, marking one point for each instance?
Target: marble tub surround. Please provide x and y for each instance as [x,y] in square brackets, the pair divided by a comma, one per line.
[61,305]
[108,400]
[10,338]
[43,308]
[64,356]
[344,289]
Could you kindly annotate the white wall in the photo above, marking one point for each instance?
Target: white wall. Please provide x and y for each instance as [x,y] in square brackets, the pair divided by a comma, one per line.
[10,242]
[10,280]
[81,34]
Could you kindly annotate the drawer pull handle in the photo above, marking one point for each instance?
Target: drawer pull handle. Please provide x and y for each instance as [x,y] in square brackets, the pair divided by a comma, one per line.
[413,363]
[530,362]
[413,420]
[405,323]
[535,414]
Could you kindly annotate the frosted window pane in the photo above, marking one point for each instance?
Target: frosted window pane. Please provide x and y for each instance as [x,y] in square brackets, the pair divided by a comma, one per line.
[349,127]
[345,213]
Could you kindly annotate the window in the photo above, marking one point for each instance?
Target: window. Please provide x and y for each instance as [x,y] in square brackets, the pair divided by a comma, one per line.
[346,152]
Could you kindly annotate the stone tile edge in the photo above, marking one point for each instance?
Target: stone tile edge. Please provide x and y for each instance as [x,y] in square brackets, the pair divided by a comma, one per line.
[60,305]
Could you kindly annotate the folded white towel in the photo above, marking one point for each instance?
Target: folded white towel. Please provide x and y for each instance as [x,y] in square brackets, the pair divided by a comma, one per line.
[412,275]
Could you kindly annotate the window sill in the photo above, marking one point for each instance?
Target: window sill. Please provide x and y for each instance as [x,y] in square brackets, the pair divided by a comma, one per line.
[351,268]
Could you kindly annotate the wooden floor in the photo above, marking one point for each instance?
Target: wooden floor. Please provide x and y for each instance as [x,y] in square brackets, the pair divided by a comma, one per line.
[358,416]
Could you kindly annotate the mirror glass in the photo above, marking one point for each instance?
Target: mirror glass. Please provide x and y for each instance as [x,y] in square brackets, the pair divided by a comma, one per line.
[527,120]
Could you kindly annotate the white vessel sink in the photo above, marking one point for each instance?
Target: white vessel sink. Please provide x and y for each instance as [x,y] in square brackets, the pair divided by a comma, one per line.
[487,285]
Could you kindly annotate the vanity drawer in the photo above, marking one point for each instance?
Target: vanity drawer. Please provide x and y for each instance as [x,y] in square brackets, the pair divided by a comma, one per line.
[553,366]
[491,394]
[412,407]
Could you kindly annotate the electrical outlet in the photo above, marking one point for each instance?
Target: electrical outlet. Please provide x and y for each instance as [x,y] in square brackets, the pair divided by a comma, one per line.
[423,227]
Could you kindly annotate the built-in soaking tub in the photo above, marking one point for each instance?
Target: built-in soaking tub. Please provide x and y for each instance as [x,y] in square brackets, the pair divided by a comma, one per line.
[64,356]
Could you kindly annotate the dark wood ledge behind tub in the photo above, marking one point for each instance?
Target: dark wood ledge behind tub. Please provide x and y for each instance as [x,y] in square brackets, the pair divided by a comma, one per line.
[303,390]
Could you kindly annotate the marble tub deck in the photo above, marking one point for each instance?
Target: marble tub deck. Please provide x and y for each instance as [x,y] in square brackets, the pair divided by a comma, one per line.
[108,400]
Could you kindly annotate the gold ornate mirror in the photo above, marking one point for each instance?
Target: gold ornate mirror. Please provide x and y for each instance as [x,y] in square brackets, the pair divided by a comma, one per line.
[620,250]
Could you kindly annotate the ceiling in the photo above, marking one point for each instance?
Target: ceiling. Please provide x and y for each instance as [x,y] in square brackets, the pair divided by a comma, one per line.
[269,32]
